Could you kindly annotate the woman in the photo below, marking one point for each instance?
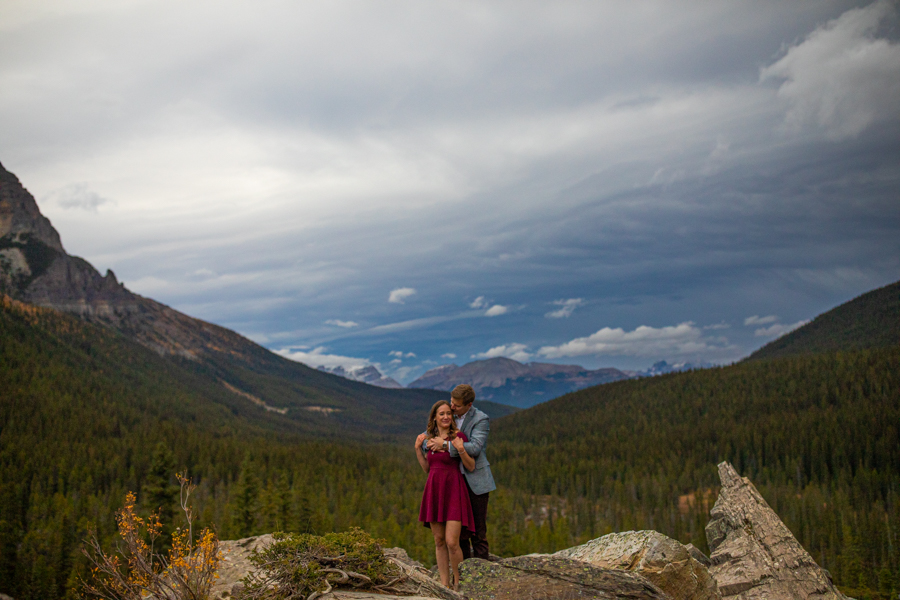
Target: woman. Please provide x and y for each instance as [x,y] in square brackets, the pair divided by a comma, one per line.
[445,502]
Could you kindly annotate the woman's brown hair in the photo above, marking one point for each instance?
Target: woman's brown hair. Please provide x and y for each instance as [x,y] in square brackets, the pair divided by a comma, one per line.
[432,429]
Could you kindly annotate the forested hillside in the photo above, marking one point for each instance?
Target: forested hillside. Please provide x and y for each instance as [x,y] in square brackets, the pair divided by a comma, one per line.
[868,321]
[819,435]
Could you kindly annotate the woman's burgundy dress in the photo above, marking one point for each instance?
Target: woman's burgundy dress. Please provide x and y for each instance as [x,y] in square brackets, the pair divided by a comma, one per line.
[446,497]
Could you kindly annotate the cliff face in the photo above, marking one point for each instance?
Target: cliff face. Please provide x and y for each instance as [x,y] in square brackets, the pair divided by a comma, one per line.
[19,214]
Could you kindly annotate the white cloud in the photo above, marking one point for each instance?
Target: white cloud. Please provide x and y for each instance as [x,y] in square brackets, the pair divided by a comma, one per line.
[681,339]
[567,307]
[841,77]
[496,310]
[514,351]
[339,323]
[778,330]
[411,324]
[79,196]
[715,326]
[400,354]
[318,358]
[203,273]
[478,302]
[399,295]
[449,355]
[757,320]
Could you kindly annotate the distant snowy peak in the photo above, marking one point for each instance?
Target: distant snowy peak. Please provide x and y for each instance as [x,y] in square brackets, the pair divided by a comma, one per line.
[662,367]
[369,375]
[510,382]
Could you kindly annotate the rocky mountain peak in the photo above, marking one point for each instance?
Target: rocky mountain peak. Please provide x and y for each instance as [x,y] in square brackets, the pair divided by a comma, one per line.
[20,218]
[369,374]
[35,268]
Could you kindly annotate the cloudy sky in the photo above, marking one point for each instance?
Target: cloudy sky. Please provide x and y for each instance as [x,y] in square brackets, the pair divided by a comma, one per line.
[407,184]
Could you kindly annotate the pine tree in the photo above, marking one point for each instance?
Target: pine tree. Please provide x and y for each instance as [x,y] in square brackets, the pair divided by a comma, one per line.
[246,499]
[160,492]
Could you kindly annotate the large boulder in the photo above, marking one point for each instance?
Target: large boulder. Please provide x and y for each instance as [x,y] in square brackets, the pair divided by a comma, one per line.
[551,578]
[754,555]
[664,561]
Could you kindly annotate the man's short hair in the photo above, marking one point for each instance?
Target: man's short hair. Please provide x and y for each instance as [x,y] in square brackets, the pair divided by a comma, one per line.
[464,393]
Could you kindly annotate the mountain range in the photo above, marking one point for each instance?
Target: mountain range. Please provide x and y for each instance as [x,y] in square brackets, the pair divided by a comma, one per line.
[369,374]
[36,269]
[508,381]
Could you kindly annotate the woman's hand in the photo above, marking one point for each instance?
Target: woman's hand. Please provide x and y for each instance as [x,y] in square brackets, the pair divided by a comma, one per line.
[420,440]
[467,461]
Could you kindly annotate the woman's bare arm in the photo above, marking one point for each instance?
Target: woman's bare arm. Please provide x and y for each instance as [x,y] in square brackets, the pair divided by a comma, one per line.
[420,454]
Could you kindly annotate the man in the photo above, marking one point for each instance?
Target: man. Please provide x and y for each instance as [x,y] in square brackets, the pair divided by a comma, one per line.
[476,426]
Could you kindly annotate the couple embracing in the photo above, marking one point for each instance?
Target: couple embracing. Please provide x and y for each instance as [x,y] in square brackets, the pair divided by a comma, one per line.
[455,500]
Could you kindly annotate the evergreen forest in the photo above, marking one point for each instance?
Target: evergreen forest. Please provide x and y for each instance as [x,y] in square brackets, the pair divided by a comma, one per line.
[86,415]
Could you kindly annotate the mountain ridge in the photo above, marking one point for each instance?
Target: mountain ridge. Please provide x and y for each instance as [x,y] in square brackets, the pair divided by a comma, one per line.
[369,374]
[518,384]
[870,320]
[36,269]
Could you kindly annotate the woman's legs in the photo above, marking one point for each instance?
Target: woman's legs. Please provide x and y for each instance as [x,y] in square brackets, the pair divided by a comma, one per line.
[451,537]
[438,530]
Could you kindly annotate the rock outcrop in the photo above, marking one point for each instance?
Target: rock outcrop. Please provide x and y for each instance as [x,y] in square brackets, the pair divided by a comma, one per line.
[754,555]
[551,578]
[665,562]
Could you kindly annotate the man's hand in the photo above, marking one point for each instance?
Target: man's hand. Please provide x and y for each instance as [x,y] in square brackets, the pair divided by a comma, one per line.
[458,444]
[419,440]
[435,444]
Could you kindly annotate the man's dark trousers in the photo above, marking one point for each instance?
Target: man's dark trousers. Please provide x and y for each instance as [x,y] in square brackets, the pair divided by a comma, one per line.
[477,545]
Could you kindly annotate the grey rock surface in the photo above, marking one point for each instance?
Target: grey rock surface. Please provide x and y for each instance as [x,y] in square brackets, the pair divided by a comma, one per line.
[236,563]
[665,562]
[551,578]
[754,555]
[698,555]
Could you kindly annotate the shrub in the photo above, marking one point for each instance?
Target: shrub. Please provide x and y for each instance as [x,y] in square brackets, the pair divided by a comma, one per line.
[305,565]
[136,570]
